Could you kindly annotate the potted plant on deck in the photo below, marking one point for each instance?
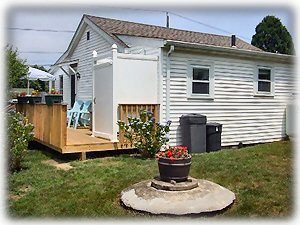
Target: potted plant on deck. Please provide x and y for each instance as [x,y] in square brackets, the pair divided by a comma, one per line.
[35,97]
[53,97]
[22,98]
[174,163]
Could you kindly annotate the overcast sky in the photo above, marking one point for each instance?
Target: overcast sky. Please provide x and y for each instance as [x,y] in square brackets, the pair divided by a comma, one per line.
[49,46]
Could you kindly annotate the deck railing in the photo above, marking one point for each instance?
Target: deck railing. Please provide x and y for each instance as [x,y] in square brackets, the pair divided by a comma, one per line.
[49,122]
[133,110]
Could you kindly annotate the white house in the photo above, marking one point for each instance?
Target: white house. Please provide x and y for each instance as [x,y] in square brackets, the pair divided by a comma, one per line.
[228,80]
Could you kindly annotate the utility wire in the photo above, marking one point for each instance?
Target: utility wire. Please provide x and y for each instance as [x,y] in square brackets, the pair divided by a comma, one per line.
[39,64]
[187,18]
[207,25]
[40,52]
[204,24]
[42,30]
[146,10]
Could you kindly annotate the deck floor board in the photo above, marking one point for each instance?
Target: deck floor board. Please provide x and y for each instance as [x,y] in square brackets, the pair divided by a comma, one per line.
[83,137]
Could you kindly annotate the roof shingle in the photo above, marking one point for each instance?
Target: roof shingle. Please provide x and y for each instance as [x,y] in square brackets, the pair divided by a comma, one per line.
[115,27]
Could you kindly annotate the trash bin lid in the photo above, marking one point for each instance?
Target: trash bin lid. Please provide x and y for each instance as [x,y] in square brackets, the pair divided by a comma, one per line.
[193,118]
[212,128]
[213,124]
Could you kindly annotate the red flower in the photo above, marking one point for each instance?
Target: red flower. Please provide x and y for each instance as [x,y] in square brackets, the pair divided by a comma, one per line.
[176,152]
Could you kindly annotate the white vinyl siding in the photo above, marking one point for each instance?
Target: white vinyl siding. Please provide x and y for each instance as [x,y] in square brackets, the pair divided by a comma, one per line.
[245,117]
[83,53]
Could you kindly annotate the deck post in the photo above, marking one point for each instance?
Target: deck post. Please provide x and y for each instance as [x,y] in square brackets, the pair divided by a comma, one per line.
[83,156]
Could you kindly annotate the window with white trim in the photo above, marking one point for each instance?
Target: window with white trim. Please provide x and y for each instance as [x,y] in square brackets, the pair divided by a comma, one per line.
[201,81]
[264,81]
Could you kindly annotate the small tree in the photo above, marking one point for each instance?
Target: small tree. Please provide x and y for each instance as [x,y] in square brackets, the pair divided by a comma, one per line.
[145,134]
[16,68]
[272,36]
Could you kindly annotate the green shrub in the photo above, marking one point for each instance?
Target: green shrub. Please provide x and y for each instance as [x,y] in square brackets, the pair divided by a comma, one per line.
[145,134]
[20,132]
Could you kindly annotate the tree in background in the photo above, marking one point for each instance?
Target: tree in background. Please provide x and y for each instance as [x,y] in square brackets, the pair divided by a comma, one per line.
[16,68]
[272,36]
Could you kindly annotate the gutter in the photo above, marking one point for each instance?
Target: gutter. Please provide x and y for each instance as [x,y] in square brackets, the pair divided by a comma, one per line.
[168,83]
[262,55]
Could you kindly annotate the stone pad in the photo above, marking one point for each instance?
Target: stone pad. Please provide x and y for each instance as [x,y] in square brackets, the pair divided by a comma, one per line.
[207,197]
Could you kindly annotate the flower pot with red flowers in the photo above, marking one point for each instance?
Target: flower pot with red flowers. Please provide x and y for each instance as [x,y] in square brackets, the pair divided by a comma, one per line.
[174,163]
[22,98]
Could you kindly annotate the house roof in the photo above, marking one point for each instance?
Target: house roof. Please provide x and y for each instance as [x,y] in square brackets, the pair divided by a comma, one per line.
[115,27]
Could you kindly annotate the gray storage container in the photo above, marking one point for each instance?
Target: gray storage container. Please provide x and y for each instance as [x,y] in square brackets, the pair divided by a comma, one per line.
[193,131]
[213,136]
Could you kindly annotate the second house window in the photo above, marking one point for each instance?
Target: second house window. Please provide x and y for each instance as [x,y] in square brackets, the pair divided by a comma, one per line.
[200,81]
[264,80]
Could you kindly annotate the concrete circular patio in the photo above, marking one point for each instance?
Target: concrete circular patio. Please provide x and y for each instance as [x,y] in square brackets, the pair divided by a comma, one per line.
[207,197]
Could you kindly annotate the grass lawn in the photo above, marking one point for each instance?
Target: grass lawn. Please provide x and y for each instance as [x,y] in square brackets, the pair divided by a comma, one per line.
[261,176]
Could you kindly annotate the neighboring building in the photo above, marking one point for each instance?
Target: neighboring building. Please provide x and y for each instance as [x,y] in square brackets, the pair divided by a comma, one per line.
[224,78]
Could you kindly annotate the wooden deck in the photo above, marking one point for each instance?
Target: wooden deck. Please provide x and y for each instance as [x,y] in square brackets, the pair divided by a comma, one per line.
[82,137]
[80,140]
[50,128]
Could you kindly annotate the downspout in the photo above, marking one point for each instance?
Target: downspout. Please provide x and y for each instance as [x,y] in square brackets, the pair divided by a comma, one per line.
[168,83]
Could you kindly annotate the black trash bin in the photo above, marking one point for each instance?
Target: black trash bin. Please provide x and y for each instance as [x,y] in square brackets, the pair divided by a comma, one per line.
[193,130]
[213,137]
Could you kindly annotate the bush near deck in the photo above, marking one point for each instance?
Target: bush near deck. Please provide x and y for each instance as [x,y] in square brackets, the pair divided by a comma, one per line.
[261,176]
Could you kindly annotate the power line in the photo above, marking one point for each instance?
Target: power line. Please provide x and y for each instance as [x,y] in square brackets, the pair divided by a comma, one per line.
[40,30]
[190,19]
[146,10]
[40,64]
[40,52]
[187,18]
[204,24]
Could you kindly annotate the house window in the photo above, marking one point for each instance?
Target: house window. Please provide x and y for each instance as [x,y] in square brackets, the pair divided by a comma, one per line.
[201,81]
[61,84]
[264,83]
[88,35]
[264,80]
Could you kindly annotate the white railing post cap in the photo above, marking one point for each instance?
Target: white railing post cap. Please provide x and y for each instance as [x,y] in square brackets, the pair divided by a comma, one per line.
[95,53]
[114,46]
